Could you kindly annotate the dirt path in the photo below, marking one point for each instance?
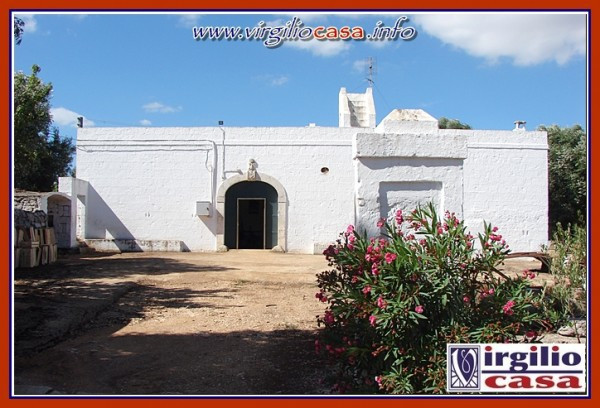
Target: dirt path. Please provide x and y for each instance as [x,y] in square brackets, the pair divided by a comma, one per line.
[234,323]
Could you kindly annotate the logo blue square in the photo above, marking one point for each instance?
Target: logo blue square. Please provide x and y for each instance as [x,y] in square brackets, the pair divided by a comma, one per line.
[463,369]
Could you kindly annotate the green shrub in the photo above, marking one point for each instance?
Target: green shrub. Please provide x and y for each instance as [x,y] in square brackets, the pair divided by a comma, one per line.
[568,295]
[394,302]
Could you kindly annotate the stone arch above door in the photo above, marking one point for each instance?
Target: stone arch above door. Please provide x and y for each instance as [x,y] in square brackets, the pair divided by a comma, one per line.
[282,203]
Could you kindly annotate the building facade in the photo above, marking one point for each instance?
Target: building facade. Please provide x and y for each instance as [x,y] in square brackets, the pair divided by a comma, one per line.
[295,189]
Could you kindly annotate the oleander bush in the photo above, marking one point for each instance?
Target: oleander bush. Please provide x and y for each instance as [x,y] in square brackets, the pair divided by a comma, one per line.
[395,301]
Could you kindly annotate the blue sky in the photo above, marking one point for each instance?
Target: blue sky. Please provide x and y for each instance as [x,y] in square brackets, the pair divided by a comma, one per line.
[487,70]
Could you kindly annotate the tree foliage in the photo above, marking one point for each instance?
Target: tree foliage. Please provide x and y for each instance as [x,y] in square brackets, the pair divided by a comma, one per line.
[40,154]
[567,171]
[445,123]
[18,30]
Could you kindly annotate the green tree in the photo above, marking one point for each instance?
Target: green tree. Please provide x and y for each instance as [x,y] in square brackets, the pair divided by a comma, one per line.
[567,175]
[40,154]
[445,123]
[18,30]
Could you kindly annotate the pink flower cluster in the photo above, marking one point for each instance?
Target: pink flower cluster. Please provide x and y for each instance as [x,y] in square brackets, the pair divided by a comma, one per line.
[419,309]
[488,292]
[390,257]
[528,274]
[381,303]
[399,217]
[507,308]
[328,318]
[321,296]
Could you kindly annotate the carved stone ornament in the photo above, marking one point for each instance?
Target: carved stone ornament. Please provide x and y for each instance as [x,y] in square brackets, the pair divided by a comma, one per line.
[252,170]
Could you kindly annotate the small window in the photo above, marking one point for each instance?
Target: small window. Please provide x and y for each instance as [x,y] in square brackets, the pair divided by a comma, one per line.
[324,170]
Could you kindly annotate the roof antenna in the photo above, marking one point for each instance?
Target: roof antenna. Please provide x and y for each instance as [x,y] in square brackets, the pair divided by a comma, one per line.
[371,70]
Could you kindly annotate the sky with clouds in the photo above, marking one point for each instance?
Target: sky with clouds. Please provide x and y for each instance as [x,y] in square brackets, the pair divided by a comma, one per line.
[485,69]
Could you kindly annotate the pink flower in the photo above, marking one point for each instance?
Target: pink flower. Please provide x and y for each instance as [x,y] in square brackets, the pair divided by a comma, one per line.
[372,320]
[321,296]
[381,303]
[531,334]
[350,247]
[419,309]
[378,380]
[440,231]
[328,318]
[491,291]
[381,222]
[466,299]
[399,217]
[366,289]
[389,257]
[354,279]
[507,308]
[374,269]
[494,229]
[350,229]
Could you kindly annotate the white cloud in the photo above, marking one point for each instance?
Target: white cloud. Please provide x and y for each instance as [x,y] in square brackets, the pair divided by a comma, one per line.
[275,23]
[273,79]
[160,108]
[279,80]
[30,22]
[145,122]
[360,65]
[65,117]
[526,38]
[189,20]
[321,48]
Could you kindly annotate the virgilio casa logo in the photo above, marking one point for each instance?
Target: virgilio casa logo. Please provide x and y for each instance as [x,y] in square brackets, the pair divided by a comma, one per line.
[516,368]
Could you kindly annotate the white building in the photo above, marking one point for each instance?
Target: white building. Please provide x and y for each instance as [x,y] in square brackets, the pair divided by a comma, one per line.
[295,189]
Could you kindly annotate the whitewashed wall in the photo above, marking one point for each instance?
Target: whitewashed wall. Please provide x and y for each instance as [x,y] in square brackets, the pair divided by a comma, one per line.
[141,189]
[401,171]
[506,183]
[495,176]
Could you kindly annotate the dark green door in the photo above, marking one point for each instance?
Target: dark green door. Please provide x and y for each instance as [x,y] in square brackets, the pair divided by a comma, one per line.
[248,206]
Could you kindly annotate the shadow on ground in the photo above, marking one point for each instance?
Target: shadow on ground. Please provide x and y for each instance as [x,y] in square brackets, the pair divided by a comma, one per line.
[118,267]
[240,362]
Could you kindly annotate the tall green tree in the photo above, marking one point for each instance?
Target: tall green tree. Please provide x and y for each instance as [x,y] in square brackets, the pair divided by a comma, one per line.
[40,154]
[567,175]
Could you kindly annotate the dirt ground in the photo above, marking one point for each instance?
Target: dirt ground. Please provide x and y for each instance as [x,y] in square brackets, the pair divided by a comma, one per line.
[185,323]
[234,323]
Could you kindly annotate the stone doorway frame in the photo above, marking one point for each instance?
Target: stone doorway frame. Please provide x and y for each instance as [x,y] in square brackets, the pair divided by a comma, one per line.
[282,204]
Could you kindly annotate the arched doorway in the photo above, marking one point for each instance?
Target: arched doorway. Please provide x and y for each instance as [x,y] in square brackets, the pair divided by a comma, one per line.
[239,199]
[251,216]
